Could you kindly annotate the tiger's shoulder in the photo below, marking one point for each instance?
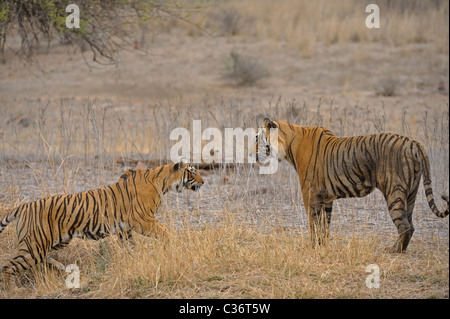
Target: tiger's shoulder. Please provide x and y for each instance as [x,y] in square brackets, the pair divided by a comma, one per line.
[132,174]
[325,131]
[317,131]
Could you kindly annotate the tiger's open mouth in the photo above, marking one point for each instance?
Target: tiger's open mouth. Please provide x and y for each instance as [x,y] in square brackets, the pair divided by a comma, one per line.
[194,186]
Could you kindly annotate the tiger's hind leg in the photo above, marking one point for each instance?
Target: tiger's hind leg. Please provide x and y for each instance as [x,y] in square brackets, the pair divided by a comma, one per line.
[401,205]
[402,218]
[410,202]
[24,260]
[409,210]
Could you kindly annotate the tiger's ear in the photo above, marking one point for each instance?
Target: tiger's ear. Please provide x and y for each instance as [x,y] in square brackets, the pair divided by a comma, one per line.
[179,166]
[270,124]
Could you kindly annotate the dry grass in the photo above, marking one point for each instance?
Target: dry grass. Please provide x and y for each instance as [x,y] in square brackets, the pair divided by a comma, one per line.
[233,261]
[303,24]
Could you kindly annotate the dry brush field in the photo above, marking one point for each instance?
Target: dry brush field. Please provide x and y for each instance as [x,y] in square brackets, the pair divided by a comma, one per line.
[68,126]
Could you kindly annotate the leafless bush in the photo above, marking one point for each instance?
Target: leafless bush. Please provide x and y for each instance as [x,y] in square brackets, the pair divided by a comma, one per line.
[245,70]
[228,21]
[387,87]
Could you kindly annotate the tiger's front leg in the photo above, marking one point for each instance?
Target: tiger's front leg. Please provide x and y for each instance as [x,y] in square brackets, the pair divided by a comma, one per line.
[327,209]
[319,219]
[152,227]
[126,237]
[53,262]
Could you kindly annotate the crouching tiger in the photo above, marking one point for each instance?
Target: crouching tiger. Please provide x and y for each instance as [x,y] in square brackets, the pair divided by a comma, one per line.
[128,205]
[330,167]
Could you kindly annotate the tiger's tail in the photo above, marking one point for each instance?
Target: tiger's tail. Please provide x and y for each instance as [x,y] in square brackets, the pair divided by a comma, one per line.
[11,216]
[427,186]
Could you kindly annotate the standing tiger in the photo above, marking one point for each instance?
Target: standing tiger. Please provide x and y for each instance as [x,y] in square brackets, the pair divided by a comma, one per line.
[130,204]
[331,167]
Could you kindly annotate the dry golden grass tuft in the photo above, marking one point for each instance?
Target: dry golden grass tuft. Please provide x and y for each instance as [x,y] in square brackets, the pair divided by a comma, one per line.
[231,260]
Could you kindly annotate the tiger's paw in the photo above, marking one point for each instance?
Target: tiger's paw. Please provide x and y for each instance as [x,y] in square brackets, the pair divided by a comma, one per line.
[394,250]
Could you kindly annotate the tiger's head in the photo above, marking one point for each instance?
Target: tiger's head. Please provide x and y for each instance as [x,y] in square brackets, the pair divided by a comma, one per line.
[169,177]
[188,177]
[269,147]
